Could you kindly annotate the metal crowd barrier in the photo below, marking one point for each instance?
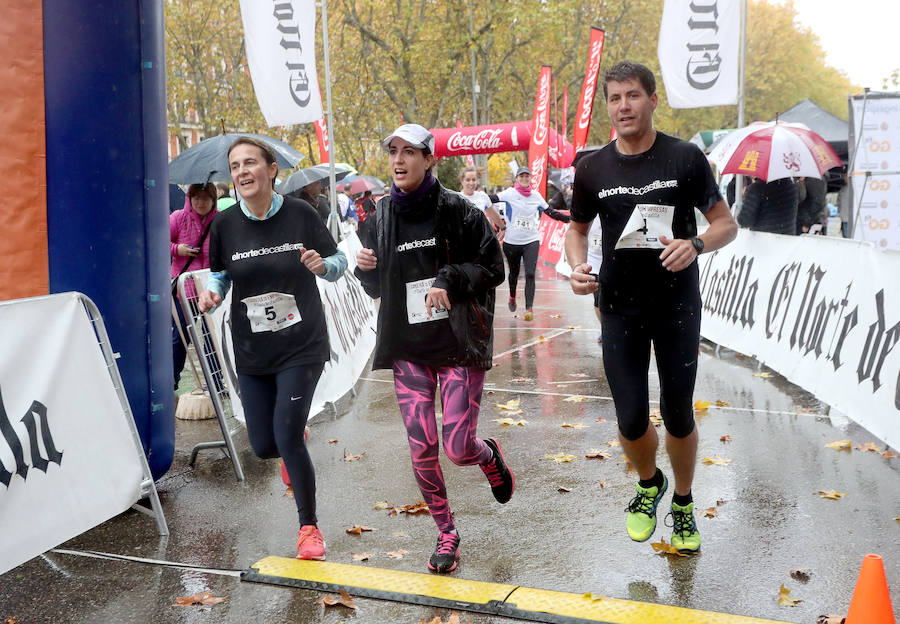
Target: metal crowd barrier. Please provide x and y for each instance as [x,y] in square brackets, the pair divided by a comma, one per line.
[219,381]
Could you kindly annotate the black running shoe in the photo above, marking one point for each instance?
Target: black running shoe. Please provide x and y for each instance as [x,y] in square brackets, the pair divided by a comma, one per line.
[511,304]
[446,553]
[501,478]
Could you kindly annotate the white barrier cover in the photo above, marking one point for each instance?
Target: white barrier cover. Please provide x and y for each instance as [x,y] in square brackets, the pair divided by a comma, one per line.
[350,315]
[823,312]
[63,434]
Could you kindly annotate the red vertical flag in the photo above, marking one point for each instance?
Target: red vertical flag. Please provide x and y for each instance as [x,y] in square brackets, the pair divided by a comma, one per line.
[565,116]
[538,151]
[588,89]
[322,135]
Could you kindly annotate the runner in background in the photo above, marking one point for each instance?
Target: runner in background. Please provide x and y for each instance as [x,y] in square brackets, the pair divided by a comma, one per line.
[523,214]
[435,262]
[272,249]
[644,186]
[468,178]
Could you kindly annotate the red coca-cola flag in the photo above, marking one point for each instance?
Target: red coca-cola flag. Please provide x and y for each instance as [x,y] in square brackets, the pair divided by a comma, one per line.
[539,150]
[322,136]
[588,89]
[565,115]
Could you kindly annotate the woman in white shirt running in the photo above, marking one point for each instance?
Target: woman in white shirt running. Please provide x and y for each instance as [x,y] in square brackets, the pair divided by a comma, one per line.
[468,178]
[523,213]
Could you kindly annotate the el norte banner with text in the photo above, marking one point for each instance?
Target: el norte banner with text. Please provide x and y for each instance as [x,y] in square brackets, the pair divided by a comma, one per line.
[280,38]
[699,52]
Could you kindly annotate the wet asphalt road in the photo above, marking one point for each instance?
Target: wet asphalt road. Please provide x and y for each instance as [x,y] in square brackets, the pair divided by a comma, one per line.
[770,521]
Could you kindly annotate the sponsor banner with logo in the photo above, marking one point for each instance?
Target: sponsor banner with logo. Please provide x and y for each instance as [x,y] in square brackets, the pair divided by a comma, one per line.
[876,179]
[553,239]
[322,136]
[350,315]
[68,458]
[281,53]
[506,137]
[699,52]
[538,151]
[823,312]
[588,90]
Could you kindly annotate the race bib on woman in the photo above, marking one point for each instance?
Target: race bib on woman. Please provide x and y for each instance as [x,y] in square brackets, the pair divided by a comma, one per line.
[415,303]
[271,312]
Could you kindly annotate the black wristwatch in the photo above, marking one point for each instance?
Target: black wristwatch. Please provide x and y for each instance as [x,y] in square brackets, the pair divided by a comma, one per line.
[698,244]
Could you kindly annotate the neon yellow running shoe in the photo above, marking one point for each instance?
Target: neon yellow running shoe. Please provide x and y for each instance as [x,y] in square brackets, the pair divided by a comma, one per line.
[641,517]
[685,536]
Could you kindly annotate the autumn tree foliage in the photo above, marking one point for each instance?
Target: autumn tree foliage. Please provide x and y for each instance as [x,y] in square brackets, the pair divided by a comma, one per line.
[409,60]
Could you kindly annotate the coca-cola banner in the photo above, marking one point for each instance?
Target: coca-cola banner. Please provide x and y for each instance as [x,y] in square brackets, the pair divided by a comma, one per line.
[553,239]
[588,90]
[822,311]
[506,137]
[538,151]
[322,136]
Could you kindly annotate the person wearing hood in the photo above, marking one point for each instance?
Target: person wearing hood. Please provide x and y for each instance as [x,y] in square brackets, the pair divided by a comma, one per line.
[433,259]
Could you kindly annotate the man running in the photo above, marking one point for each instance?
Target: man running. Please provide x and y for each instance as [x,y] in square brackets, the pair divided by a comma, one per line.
[645,186]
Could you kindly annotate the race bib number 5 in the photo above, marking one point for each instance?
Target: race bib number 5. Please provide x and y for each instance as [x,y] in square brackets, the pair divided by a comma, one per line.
[415,303]
[271,312]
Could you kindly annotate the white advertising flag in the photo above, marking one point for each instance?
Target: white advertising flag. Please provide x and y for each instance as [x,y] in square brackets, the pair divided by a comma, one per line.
[281,51]
[698,52]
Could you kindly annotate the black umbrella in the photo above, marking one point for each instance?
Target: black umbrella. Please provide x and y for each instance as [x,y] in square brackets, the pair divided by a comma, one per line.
[207,161]
[299,179]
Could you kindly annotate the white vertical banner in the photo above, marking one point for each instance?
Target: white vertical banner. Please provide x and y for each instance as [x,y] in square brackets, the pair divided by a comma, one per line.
[699,52]
[280,38]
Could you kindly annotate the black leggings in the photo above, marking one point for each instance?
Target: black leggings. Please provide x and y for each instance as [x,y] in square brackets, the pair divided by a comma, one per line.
[675,335]
[276,407]
[514,254]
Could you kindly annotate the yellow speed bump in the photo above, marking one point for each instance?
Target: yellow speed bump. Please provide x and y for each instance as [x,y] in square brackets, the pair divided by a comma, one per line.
[523,603]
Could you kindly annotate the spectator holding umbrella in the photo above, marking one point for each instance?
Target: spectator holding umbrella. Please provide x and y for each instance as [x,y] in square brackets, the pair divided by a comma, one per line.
[770,206]
[272,249]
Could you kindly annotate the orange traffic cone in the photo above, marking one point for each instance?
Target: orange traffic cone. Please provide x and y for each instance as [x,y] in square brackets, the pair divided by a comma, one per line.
[871,602]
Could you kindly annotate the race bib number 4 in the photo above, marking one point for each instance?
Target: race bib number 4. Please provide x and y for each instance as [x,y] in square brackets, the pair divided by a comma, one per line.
[647,223]
[524,223]
[271,312]
[415,303]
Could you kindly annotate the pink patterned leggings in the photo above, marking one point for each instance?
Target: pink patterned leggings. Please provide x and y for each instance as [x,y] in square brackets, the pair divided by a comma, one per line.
[461,387]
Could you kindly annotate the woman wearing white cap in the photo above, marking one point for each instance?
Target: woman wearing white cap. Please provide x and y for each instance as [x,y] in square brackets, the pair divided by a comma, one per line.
[434,260]
[523,214]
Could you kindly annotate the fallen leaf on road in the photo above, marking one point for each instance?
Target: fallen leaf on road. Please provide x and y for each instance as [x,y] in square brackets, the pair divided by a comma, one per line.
[720,502]
[344,599]
[573,426]
[716,461]
[840,445]
[453,619]
[560,458]
[656,420]
[521,380]
[348,456]
[592,596]
[870,447]
[603,484]
[701,406]
[576,399]
[601,419]
[359,529]
[541,339]
[831,494]
[288,492]
[333,441]
[655,412]
[509,422]
[763,375]
[563,490]
[710,512]
[664,548]
[800,574]
[889,454]
[360,556]
[10,620]
[399,534]
[556,316]
[725,438]
[205,599]
[597,454]
[397,554]
[721,403]
[613,443]
[784,598]
[512,404]
[411,510]
[897,518]
[830,618]
[381,505]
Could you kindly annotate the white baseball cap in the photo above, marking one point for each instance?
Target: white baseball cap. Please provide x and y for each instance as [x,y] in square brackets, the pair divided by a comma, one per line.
[414,134]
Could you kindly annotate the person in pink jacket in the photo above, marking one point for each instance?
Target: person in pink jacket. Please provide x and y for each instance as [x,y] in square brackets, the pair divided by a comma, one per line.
[188,230]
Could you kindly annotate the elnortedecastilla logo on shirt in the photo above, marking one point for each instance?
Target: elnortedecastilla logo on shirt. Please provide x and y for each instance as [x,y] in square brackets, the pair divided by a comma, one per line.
[633,190]
[265,251]
[418,244]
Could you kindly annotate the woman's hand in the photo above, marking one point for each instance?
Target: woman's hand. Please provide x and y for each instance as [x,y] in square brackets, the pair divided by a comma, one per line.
[438,299]
[313,261]
[208,300]
[366,260]
[187,250]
